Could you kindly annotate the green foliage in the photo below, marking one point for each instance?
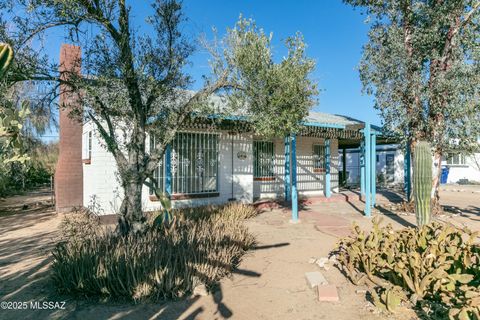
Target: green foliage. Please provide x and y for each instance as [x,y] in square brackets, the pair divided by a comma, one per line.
[422,182]
[11,118]
[6,57]
[421,63]
[436,264]
[162,263]
[275,96]
[18,176]
[166,217]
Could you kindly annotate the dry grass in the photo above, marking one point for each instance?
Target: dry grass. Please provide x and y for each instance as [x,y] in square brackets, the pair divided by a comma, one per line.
[204,246]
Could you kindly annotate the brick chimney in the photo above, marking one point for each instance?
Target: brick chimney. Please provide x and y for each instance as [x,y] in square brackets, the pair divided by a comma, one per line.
[69,170]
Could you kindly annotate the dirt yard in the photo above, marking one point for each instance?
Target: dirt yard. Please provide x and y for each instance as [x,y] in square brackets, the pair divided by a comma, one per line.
[270,283]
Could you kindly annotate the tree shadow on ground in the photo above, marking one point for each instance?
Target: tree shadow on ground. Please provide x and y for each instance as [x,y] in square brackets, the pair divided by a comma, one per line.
[31,281]
[395,217]
[471,212]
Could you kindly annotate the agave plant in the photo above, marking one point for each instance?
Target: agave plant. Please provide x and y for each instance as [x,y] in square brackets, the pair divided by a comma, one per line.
[166,217]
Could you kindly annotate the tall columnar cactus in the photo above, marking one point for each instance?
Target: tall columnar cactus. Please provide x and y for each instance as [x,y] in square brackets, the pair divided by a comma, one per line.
[422,182]
[6,57]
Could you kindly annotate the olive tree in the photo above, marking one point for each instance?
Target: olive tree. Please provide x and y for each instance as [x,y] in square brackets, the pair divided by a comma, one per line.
[134,83]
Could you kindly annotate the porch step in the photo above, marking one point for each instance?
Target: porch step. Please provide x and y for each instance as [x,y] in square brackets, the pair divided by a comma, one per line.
[263,204]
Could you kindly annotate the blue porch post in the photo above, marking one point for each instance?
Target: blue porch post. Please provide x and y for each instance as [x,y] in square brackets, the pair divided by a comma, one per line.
[168,169]
[407,172]
[368,164]
[362,168]
[373,169]
[287,169]
[328,191]
[293,147]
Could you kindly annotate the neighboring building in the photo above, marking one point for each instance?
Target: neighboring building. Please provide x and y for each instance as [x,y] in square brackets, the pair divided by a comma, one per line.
[390,167]
[461,168]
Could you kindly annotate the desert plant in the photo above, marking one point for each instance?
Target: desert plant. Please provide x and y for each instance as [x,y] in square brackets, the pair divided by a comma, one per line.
[166,217]
[422,182]
[79,225]
[235,211]
[436,264]
[6,57]
[162,263]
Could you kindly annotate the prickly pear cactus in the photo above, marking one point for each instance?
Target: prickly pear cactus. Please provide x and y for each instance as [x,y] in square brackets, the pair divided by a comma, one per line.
[422,182]
[6,57]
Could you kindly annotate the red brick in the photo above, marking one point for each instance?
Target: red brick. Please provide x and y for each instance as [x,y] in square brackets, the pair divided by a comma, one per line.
[69,170]
[327,293]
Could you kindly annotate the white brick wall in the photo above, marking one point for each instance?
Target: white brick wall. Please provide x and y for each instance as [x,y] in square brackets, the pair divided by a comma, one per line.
[101,186]
[103,193]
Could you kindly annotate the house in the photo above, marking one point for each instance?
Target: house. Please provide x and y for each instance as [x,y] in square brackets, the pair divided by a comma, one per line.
[213,162]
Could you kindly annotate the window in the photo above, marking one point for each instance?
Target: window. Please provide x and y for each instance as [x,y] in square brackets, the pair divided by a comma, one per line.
[455,159]
[87,147]
[194,164]
[318,158]
[263,160]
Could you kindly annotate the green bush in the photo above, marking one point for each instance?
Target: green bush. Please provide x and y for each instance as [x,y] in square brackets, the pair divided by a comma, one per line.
[437,265]
[160,264]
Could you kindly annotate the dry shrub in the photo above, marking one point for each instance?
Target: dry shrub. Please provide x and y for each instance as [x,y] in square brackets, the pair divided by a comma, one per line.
[437,265]
[159,264]
[235,211]
[78,225]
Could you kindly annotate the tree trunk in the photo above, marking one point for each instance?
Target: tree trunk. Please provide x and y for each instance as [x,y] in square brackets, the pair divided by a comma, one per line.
[132,219]
[437,172]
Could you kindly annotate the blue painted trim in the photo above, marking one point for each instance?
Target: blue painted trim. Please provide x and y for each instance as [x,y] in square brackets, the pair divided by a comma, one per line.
[245,119]
[362,168]
[368,164]
[287,169]
[407,172]
[293,147]
[328,191]
[168,169]
[323,125]
[373,159]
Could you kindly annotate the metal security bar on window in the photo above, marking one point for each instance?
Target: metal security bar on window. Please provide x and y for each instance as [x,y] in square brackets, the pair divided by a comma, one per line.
[263,159]
[318,158]
[194,163]
[159,173]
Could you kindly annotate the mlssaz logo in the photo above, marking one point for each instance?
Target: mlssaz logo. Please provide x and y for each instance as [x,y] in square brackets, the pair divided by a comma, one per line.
[47,305]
